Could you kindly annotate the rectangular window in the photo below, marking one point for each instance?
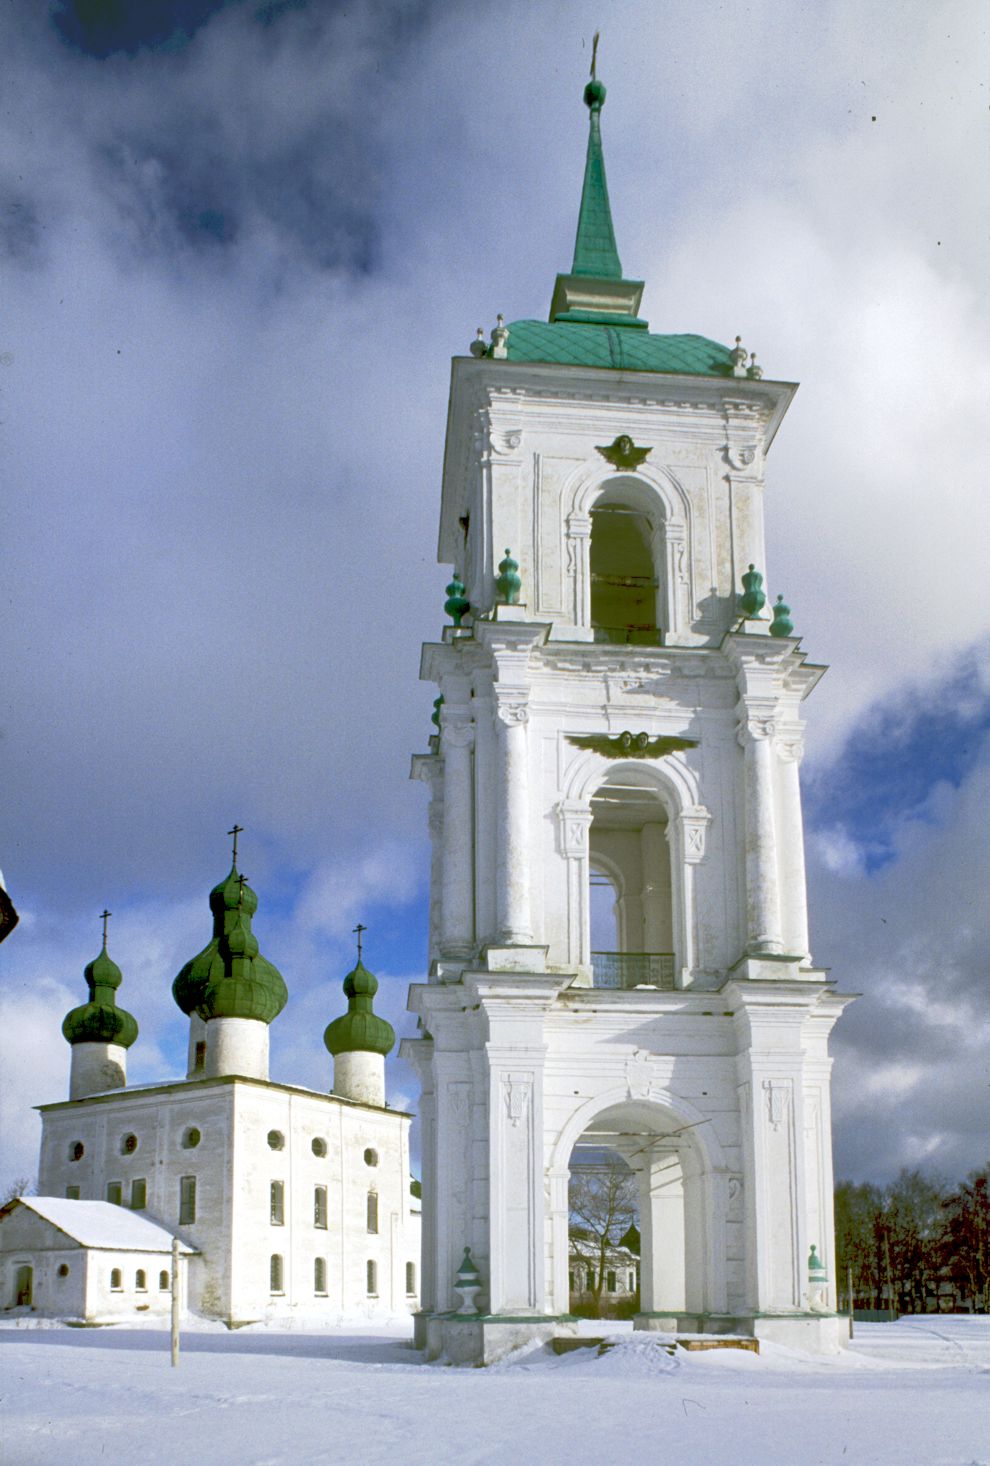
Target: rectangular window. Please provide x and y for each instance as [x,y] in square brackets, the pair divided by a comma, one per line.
[139,1194]
[199,1056]
[187,1200]
[320,1207]
[278,1203]
[275,1280]
[410,1277]
[115,1192]
[72,1193]
[372,1279]
[320,1276]
[610,1281]
[590,1278]
[372,1211]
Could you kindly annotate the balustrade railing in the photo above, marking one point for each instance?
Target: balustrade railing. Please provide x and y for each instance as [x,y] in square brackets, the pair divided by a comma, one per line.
[633,970]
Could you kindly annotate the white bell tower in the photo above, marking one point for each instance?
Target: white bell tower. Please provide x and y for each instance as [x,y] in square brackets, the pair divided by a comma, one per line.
[620,730]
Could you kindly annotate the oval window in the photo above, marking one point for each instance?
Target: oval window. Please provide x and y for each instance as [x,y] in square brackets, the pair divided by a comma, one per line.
[128,1145]
[276,1139]
[319,1147]
[371,1157]
[190,1138]
[63,1270]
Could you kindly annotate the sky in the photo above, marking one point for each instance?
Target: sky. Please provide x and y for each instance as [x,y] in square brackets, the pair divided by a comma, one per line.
[241,243]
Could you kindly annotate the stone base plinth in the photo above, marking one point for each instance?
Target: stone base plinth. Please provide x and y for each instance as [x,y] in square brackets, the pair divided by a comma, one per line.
[815,1333]
[460,1339]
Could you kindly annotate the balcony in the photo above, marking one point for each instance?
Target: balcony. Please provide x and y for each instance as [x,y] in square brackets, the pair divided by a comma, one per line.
[633,970]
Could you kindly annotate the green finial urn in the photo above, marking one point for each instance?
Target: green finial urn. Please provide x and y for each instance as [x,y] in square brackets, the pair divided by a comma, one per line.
[753,598]
[509,582]
[456,605]
[782,623]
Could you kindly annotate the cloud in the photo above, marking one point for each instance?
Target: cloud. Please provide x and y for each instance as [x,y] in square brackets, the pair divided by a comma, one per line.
[240,263]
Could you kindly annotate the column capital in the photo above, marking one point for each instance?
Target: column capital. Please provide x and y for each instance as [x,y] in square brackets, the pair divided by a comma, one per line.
[511,707]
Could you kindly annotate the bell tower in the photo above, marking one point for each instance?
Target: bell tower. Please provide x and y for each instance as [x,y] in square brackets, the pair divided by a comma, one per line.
[618,929]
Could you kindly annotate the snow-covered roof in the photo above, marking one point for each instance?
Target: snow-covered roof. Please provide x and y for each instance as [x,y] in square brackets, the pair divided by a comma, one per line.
[102,1224]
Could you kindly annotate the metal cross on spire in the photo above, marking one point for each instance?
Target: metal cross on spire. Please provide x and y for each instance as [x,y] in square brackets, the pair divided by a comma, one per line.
[594,56]
[241,883]
[237,830]
[359,931]
[106,915]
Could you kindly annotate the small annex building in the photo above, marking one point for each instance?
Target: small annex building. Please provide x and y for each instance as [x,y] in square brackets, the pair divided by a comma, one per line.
[87,1261]
[288,1202]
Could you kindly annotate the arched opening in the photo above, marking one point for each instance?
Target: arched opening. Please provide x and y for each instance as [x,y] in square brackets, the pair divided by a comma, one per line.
[630,872]
[603,1232]
[624,575]
[639,1216]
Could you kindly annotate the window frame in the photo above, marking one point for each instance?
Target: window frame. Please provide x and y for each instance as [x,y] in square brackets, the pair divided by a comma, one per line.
[276,1203]
[187,1201]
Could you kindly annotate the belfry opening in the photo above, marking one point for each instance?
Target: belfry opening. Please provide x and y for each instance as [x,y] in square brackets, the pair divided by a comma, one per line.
[629,861]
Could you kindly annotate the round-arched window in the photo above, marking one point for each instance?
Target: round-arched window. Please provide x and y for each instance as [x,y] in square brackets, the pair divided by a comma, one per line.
[128,1145]
[63,1269]
[371,1157]
[76,1150]
[276,1139]
[190,1138]
[319,1146]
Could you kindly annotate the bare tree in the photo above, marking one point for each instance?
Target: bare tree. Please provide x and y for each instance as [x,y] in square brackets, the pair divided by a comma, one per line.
[16,1186]
[602,1202]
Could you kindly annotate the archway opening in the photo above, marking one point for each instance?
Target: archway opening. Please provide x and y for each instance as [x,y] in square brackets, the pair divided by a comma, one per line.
[603,1232]
[630,870]
[637,1217]
[624,581]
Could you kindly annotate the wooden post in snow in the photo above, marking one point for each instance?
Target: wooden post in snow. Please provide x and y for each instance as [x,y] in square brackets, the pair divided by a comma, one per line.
[175,1301]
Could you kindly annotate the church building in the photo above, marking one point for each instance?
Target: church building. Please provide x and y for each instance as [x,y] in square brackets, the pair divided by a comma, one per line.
[287,1203]
[620,729]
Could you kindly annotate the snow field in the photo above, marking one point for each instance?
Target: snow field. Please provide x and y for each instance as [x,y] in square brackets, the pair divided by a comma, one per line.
[913,1393]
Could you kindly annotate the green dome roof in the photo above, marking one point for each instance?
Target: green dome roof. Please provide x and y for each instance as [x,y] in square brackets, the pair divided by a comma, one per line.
[100,1021]
[230,978]
[571,343]
[360,1028]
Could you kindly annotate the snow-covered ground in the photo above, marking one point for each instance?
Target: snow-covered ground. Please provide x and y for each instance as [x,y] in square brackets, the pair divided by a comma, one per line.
[912,1393]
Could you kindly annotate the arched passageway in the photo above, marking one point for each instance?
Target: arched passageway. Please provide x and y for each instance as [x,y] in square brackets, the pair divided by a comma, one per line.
[667,1198]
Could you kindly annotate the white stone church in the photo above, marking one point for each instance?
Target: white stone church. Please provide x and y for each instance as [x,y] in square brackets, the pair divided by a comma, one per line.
[619,705]
[288,1203]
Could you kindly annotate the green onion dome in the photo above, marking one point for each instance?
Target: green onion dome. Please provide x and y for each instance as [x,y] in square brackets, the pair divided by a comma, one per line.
[360,1028]
[230,978]
[100,1021]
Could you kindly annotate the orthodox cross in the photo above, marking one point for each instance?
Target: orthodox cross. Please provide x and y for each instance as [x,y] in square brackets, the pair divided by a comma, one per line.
[106,915]
[594,55]
[241,883]
[359,930]
[237,830]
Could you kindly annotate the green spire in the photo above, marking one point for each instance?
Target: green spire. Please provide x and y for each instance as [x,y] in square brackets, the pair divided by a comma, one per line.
[100,1020]
[595,252]
[230,978]
[360,1027]
[595,293]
